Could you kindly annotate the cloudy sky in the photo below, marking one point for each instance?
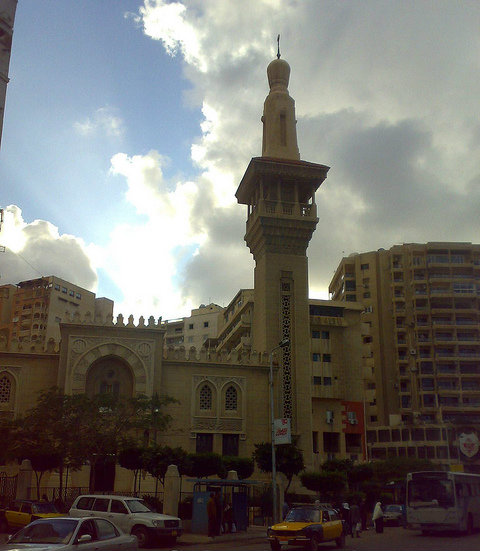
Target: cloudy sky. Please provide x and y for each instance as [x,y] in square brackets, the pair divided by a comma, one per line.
[128,127]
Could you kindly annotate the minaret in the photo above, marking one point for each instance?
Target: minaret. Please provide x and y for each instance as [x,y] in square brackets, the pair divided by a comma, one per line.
[279,191]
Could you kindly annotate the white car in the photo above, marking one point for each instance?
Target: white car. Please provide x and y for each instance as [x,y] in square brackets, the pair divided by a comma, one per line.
[132,515]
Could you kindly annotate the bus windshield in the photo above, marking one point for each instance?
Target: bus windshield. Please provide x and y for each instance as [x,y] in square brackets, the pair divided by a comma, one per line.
[431,492]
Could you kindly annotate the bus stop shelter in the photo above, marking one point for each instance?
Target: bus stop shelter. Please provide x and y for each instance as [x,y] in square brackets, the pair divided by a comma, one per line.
[235,492]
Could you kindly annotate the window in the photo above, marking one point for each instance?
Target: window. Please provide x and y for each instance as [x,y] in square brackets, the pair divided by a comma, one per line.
[316,357]
[327,381]
[230,444]
[64,290]
[190,325]
[315,441]
[101,504]
[205,324]
[315,334]
[331,442]
[78,295]
[58,319]
[118,507]
[57,287]
[105,530]
[204,442]
[317,380]
[325,335]
[71,293]
[231,399]
[364,266]
[5,390]
[351,298]
[205,397]
[366,295]
[327,358]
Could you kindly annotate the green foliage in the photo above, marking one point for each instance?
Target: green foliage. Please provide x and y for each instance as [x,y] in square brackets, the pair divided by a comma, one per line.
[288,459]
[340,465]
[202,465]
[359,474]
[396,468]
[243,465]
[158,458]
[328,484]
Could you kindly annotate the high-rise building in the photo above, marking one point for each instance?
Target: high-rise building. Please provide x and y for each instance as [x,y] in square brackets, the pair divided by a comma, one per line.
[7,17]
[194,330]
[32,310]
[422,353]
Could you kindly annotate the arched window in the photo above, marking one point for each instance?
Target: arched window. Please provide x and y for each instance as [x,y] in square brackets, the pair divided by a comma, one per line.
[205,397]
[5,390]
[231,400]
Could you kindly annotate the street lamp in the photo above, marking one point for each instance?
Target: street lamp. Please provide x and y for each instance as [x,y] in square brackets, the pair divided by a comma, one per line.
[282,344]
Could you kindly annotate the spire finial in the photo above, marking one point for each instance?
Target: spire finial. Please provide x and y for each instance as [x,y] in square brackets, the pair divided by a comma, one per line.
[278,47]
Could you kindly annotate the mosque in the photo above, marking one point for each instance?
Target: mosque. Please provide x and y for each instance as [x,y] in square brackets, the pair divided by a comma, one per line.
[223,389]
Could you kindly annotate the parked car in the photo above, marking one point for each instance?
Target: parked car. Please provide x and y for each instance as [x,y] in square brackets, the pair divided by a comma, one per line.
[71,534]
[307,525]
[22,511]
[132,515]
[392,515]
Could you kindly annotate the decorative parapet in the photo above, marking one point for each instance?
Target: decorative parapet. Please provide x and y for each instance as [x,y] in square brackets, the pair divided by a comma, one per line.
[108,321]
[30,347]
[240,357]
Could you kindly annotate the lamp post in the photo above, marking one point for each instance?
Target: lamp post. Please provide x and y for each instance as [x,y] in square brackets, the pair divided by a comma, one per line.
[282,344]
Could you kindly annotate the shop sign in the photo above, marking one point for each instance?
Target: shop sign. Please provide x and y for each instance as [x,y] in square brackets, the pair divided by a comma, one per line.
[282,431]
[468,444]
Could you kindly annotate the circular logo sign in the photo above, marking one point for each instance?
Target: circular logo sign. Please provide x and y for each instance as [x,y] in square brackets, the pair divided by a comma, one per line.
[469,444]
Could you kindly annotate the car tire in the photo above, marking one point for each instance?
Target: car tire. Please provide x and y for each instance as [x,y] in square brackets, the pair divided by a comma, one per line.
[142,536]
[275,546]
[469,524]
[3,526]
[340,541]
[314,543]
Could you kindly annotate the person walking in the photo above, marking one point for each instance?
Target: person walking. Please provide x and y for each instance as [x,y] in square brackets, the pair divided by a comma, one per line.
[212,516]
[355,520]
[227,518]
[377,517]
[345,514]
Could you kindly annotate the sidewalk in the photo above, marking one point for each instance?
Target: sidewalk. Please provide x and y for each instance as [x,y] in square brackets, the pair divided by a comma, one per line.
[252,535]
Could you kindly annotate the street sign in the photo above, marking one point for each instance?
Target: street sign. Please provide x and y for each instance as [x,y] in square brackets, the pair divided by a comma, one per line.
[283,433]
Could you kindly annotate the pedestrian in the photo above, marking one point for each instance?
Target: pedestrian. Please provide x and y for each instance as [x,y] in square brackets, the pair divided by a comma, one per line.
[219,511]
[212,516]
[355,520]
[345,514]
[364,508]
[377,517]
[227,518]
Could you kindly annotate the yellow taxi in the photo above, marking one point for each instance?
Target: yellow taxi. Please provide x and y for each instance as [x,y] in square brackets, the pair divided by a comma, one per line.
[308,526]
[22,512]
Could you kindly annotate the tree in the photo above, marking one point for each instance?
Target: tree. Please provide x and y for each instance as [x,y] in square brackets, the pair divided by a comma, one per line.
[132,458]
[358,475]
[326,483]
[202,465]
[243,465]
[158,458]
[288,459]
[395,469]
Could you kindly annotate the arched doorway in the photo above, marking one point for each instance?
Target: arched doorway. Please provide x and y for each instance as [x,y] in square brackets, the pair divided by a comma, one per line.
[108,375]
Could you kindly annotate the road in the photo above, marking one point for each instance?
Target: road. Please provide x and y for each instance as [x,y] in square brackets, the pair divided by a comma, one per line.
[392,539]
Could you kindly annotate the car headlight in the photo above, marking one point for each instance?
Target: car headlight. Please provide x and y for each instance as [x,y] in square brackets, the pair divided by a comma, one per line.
[158,523]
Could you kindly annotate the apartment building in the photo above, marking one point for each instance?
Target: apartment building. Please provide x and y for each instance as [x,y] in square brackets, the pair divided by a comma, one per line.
[193,331]
[34,308]
[421,304]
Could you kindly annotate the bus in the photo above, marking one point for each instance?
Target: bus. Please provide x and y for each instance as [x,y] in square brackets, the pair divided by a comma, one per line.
[441,500]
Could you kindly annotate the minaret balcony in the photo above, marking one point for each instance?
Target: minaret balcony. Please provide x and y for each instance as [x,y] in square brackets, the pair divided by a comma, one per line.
[282,208]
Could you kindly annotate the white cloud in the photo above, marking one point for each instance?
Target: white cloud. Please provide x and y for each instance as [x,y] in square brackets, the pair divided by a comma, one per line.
[378,96]
[104,121]
[37,248]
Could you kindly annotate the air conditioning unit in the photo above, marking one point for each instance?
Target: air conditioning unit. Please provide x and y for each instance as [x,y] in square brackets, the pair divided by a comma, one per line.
[413,352]
[329,417]
[353,421]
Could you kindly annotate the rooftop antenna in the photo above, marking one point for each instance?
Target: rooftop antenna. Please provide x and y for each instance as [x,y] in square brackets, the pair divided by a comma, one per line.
[278,47]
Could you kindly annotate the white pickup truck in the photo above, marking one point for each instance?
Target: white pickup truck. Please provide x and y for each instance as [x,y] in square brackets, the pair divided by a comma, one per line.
[132,515]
